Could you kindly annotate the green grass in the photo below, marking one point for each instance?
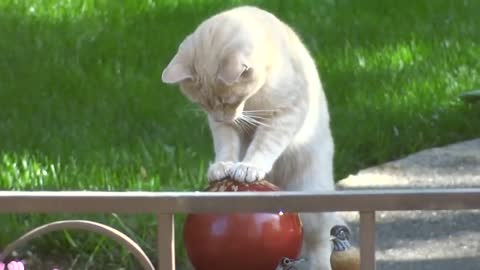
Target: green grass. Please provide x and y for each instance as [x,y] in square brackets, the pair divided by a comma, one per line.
[82,105]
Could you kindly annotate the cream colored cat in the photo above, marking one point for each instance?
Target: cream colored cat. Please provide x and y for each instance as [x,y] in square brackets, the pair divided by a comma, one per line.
[266,109]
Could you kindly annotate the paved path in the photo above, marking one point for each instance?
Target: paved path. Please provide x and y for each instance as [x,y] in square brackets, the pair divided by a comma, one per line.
[423,240]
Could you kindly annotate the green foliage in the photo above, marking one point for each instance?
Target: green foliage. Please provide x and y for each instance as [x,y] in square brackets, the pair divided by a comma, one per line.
[82,105]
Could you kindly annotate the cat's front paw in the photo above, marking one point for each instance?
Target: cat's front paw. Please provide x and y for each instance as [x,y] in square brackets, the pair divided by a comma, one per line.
[219,170]
[246,172]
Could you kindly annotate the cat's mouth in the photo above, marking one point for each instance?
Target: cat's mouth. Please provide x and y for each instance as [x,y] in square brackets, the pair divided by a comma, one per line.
[222,118]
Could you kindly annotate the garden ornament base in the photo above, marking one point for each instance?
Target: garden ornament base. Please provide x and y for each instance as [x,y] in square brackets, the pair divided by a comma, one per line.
[83,225]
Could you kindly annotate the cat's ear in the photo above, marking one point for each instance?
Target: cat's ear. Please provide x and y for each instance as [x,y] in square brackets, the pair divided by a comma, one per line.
[176,72]
[233,67]
[179,68]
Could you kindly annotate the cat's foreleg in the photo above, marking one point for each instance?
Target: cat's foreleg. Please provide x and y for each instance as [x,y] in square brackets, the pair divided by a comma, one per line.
[270,140]
[227,145]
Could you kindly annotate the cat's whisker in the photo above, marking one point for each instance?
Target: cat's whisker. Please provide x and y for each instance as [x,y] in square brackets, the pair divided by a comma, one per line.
[254,121]
[243,121]
[249,129]
[249,126]
[237,124]
[257,116]
[258,121]
[266,110]
[262,113]
[244,126]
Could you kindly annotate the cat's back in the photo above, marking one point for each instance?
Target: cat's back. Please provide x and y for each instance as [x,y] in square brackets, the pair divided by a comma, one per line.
[247,14]
[245,22]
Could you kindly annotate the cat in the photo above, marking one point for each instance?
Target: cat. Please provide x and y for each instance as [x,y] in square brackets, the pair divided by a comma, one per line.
[266,109]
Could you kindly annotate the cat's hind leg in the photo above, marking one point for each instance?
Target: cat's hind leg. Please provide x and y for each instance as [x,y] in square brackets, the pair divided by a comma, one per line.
[317,246]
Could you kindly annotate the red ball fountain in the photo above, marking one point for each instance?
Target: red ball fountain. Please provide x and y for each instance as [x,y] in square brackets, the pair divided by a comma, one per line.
[239,241]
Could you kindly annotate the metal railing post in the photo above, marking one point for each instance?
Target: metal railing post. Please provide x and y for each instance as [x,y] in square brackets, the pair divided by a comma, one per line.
[367,240]
[166,204]
[166,242]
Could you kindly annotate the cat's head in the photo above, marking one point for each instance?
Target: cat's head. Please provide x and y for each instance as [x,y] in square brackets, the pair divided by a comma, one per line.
[217,72]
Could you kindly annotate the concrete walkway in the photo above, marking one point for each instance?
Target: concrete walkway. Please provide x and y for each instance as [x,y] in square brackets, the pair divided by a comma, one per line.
[421,240]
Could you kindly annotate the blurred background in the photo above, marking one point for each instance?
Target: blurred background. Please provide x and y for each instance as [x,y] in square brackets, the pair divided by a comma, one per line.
[82,105]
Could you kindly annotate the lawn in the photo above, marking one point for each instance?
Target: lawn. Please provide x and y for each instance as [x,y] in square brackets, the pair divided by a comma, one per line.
[82,106]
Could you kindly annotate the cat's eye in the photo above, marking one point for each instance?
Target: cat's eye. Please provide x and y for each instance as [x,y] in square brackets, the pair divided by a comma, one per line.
[246,73]
[231,101]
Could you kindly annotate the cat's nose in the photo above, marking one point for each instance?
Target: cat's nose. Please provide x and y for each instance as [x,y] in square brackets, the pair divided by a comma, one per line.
[218,117]
[222,117]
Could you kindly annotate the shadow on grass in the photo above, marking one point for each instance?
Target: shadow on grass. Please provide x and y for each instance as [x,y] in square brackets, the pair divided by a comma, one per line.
[82,94]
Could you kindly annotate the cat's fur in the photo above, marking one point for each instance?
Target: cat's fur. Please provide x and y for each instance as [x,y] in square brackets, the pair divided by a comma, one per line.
[266,108]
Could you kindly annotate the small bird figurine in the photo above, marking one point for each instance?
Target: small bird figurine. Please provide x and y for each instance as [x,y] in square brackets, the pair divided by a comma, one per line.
[290,264]
[344,255]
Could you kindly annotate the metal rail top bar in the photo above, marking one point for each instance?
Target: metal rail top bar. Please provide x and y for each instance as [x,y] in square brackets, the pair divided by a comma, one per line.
[217,202]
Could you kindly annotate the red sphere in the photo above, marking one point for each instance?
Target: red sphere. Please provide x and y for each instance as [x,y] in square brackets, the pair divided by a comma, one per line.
[253,241]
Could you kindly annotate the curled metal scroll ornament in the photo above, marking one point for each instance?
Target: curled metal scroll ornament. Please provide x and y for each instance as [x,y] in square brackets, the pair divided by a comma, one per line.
[84,225]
